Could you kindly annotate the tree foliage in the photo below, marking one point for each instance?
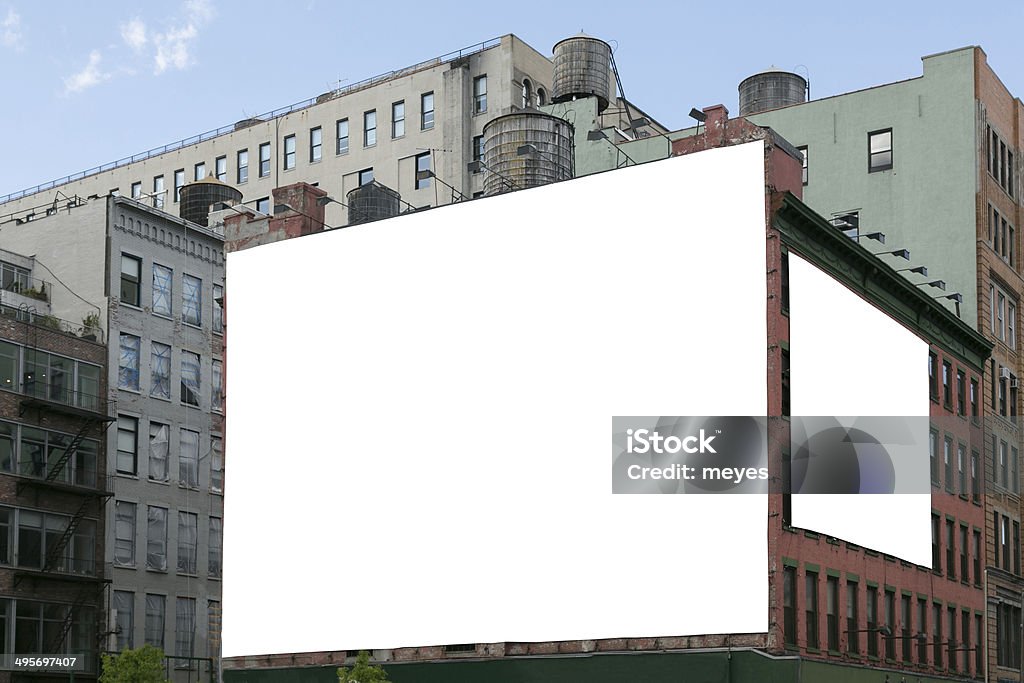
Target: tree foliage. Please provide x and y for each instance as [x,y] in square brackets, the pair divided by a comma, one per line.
[141,665]
[363,671]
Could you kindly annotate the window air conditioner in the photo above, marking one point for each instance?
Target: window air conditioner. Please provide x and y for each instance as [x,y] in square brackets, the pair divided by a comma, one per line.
[1004,373]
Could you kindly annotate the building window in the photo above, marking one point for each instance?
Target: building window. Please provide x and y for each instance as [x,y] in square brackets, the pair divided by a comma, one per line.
[979,651]
[976,551]
[218,306]
[1014,473]
[974,399]
[398,119]
[890,623]
[156,538]
[947,384]
[947,459]
[975,489]
[426,111]
[370,128]
[243,166]
[160,371]
[933,451]
[263,205]
[961,455]
[216,380]
[220,168]
[365,177]
[905,631]
[951,636]
[190,378]
[216,465]
[342,132]
[158,192]
[965,636]
[937,635]
[880,150]
[872,621]
[131,277]
[922,627]
[1004,469]
[127,444]
[188,542]
[179,182]
[852,637]
[1003,316]
[162,285]
[124,534]
[159,449]
[124,604]
[214,565]
[316,144]
[1016,547]
[188,459]
[950,549]
[199,171]
[933,375]
[128,368]
[936,543]
[289,152]
[785,383]
[1004,537]
[1008,627]
[156,606]
[961,393]
[480,94]
[185,627]
[811,610]
[832,612]
[478,150]
[137,190]
[191,300]
[527,98]
[803,163]
[264,159]
[789,605]
[422,177]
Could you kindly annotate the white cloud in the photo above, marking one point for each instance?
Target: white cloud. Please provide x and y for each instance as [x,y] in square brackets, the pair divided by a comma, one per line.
[174,46]
[87,77]
[10,30]
[134,34]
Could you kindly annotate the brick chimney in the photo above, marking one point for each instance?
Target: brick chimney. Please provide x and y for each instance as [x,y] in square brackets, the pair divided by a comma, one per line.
[715,125]
[305,216]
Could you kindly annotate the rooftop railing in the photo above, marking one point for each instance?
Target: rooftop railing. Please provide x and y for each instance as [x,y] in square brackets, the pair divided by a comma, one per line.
[223,130]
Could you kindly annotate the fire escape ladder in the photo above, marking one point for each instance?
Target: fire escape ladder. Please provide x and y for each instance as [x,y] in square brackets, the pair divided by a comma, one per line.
[55,471]
[53,555]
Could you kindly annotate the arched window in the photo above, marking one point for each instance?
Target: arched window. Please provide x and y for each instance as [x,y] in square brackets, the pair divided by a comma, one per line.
[541,97]
[527,93]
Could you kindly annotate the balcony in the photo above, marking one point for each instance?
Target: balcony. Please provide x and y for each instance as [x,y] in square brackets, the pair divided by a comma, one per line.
[67,569]
[68,480]
[57,396]
[30,313]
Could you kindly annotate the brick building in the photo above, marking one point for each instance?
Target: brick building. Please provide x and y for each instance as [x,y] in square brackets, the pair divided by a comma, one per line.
[835,609]
[54,484]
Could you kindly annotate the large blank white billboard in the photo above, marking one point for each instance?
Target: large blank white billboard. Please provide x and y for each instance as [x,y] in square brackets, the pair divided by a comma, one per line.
[849,359]
[420,415]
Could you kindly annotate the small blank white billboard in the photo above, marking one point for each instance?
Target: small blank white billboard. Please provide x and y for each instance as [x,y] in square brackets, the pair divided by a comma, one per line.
[420,417]
[849,359]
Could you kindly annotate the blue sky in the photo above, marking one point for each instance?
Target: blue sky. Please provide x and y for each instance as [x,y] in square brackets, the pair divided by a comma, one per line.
[84,84]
